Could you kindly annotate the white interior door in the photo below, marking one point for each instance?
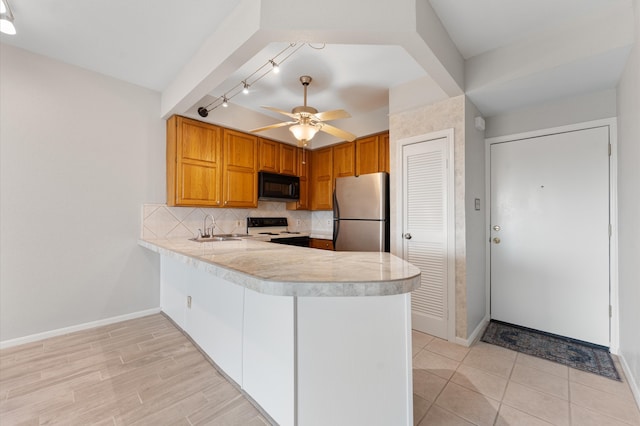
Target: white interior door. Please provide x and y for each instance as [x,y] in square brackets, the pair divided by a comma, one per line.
[550,233]
[427,238]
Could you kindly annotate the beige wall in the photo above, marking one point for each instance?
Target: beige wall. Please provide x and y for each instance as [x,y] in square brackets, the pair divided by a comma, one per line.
[446,114]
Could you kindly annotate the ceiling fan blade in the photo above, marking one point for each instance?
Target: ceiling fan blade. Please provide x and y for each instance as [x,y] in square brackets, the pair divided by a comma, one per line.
[334,131]
[332,115]
[279,111]
[273,126]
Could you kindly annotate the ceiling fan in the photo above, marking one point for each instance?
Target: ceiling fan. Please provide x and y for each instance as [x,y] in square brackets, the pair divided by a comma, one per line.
[307,121]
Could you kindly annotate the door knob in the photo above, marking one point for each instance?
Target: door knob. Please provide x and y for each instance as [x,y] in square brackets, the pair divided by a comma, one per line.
[407,236]
[496,227]
[496,240]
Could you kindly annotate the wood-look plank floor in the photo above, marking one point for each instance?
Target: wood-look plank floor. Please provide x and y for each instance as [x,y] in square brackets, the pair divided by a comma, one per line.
[138,372]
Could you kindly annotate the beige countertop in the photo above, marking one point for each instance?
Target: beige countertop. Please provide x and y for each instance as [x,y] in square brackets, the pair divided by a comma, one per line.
[283,270]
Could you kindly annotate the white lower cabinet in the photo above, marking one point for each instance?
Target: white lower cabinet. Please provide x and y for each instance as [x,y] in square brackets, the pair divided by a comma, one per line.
[173,290]
[249,335]
[308,360]
[268,354]
[214,320]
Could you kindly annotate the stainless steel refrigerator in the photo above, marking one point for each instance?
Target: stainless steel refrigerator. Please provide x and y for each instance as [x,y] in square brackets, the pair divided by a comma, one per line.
[361,213]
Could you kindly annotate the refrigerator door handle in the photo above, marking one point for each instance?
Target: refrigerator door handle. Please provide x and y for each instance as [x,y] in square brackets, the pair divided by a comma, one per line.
[336,217]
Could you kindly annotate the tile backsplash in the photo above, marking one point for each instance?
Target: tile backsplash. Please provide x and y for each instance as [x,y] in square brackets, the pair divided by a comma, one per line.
[161,221]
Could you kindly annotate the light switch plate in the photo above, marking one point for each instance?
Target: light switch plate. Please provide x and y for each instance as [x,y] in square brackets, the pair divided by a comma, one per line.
[477,203]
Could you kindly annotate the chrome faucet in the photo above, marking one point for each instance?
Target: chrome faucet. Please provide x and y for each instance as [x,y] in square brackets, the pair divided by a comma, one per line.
[208,232]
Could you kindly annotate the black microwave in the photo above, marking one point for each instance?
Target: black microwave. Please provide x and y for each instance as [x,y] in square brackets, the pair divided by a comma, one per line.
[274,187]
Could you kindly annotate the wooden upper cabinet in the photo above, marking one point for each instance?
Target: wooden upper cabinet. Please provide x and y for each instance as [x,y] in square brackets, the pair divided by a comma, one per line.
[276,157]
[367,155]
[321,183]
[288,159]
[384,153]
[240,179]
[344,163]
[372,154]
[302,167]
[269,156]
[194,170]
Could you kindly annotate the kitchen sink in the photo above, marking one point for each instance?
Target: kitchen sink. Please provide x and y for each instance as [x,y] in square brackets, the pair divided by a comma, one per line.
[219,237]
[214,238]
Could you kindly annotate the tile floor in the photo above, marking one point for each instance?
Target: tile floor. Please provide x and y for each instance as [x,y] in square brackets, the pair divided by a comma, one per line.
[490,385]
[145,371]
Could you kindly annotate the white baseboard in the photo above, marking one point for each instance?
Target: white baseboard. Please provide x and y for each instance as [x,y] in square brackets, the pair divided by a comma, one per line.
[475,335]
[633,384]
[59,332]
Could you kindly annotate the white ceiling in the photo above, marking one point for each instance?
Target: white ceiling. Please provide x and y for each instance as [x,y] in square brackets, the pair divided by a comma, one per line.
[516,52]
[479,26]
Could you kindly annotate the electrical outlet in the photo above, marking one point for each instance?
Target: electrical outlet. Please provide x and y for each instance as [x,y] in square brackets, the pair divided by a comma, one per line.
[238,223]
[298,221]
[329,222]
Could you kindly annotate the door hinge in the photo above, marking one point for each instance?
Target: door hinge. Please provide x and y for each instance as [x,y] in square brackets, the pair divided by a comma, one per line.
[610,230]
[609,150]
[610,311]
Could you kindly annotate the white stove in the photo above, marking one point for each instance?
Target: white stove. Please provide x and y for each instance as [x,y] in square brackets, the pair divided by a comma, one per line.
[276,229]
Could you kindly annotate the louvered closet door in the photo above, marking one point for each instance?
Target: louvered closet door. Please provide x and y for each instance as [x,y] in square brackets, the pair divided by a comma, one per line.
[425,220]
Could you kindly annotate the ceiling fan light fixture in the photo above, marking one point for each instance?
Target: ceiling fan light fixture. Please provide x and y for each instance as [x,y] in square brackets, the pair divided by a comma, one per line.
[6,18]
[304,132]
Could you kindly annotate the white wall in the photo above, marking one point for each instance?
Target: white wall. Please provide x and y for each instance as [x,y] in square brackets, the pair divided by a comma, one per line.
[475,219]
[580,109]
[80,153]
[629,210]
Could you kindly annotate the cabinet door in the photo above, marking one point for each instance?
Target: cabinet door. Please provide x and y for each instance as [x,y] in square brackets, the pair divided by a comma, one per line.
[344,160]
[302,161]
[384,153]
[321,244]
[174,290]
[322,179]
[367,155]
[193,163]
[288,159]
[215,318]
[268,354]
[240,169]
[269,156]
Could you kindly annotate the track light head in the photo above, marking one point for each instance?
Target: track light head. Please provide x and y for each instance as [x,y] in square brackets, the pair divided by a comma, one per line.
[276,67]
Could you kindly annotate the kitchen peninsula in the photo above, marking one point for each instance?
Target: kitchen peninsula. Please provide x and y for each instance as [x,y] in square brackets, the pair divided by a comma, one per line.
[315,337]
